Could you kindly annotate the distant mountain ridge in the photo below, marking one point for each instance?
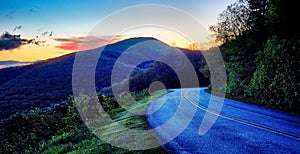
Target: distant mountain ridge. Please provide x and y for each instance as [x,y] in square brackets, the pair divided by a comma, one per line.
[50,82]
[12,63]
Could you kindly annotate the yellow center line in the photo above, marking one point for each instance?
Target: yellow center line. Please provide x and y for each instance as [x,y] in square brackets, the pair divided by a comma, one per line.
[259,126]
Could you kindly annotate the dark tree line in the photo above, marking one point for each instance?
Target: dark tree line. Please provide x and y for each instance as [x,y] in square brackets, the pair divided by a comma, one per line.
[261,47]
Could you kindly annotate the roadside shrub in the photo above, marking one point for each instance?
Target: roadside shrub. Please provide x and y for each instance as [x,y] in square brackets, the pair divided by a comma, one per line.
[274,83]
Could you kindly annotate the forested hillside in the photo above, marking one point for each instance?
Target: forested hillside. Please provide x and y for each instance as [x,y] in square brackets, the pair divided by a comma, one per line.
[38,113]
[47,83]
[261,47]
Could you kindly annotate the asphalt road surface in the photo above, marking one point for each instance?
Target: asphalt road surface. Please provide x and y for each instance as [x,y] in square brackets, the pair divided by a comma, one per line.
[177,119]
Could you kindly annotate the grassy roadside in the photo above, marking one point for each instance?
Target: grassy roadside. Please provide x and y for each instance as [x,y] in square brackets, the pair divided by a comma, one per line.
[65,132]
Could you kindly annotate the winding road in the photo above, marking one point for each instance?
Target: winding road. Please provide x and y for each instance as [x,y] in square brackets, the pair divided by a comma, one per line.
[237,128]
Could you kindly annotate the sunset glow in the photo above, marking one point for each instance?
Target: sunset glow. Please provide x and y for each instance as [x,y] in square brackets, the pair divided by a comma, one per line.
[46,29]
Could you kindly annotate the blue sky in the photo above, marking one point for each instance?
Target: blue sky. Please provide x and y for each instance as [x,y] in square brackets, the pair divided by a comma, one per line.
[75,18]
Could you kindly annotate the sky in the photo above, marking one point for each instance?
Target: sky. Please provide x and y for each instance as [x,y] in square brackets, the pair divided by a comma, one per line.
[34,30]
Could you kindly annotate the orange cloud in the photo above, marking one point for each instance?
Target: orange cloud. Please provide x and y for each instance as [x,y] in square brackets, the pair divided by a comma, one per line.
[68,46]
[85,43]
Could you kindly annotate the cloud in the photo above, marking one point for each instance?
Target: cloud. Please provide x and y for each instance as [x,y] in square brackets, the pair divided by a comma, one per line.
[85,43]
[9,41]
[10,13]
[50,33]
[16,28]
[45,33]
[68,46]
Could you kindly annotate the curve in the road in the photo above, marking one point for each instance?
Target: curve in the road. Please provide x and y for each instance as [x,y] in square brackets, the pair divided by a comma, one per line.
[240,128]
[252,124]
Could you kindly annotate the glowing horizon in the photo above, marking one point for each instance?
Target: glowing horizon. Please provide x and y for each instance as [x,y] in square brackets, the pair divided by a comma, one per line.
[48,29]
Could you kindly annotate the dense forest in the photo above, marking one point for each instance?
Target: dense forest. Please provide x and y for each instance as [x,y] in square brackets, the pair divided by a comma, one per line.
[260,43]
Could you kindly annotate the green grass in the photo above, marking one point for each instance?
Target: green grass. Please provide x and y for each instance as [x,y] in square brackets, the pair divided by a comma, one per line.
[66,133]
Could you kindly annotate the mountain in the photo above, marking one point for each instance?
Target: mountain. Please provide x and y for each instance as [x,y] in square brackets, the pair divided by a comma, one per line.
[49,82]
[12,63]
